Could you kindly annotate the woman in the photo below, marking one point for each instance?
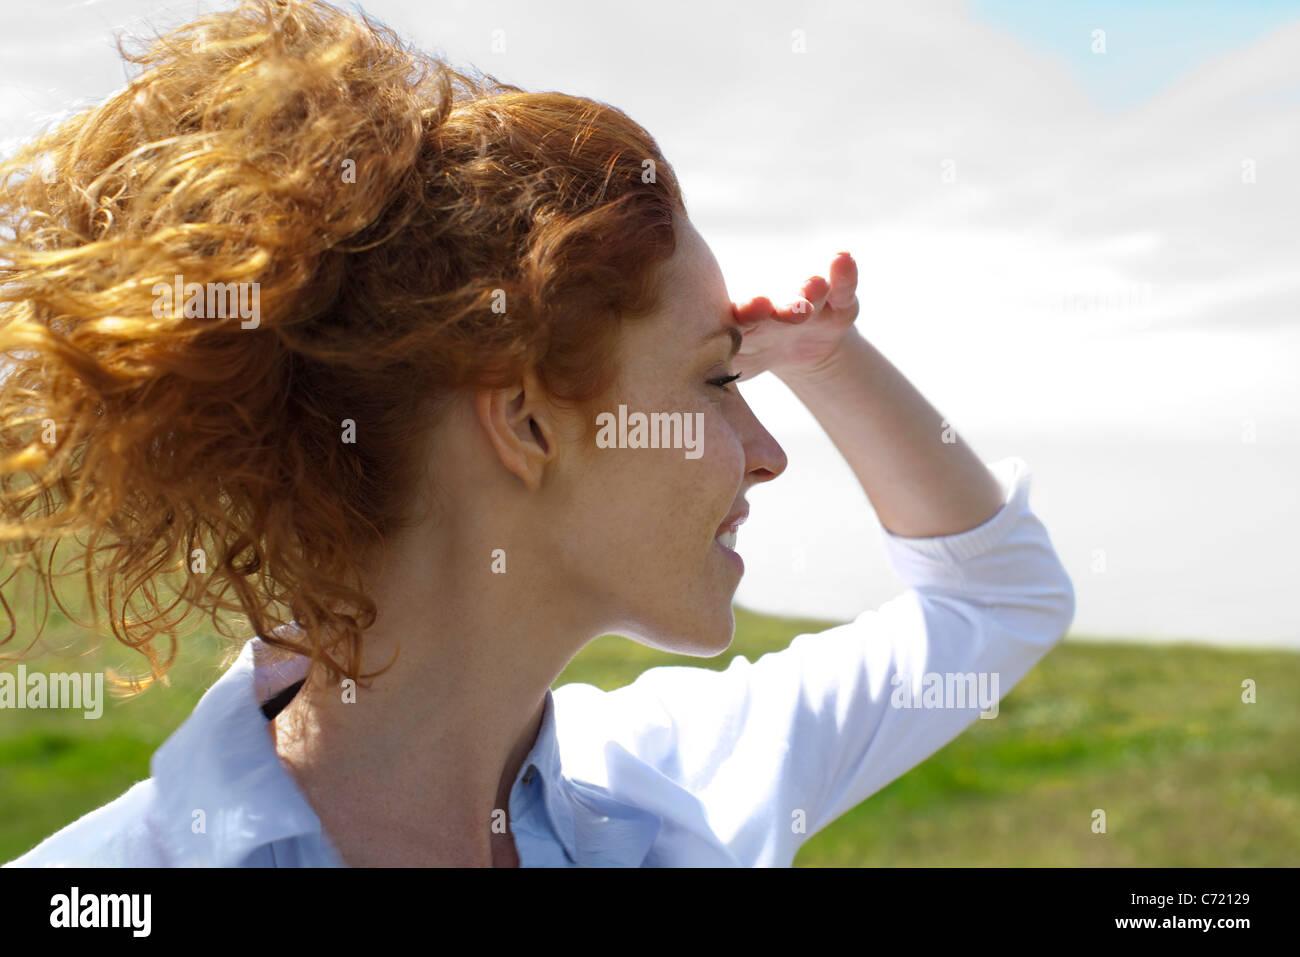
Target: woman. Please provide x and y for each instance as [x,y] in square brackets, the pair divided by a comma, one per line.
[402,436]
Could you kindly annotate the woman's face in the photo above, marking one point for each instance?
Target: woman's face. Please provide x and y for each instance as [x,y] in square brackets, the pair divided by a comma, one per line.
[644,522]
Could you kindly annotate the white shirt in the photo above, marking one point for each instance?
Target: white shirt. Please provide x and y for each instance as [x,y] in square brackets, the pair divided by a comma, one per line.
[683,767]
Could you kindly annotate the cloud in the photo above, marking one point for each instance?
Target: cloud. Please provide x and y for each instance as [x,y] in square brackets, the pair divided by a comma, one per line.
[981,187]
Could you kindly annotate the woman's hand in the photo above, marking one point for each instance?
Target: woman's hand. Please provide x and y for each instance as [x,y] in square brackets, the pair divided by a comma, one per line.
[920,481]
[804,337]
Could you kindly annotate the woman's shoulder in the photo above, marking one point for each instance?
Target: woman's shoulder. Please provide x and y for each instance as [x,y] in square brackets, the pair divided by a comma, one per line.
[116,834]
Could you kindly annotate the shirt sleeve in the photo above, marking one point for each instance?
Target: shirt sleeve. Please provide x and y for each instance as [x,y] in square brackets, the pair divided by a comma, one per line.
[779,748]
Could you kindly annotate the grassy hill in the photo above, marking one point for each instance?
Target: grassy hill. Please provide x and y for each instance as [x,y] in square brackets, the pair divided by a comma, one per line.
[1156,735]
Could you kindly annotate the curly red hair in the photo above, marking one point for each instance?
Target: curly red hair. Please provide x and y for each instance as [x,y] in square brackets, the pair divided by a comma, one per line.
[386,206]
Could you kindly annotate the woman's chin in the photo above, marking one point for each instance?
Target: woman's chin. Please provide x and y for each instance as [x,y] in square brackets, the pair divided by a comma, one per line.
[697,643]
[711,642]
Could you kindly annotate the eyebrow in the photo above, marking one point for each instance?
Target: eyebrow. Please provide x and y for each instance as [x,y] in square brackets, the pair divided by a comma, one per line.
[734,332]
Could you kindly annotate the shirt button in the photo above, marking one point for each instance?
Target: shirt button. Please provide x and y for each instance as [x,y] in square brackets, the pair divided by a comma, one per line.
[528,775]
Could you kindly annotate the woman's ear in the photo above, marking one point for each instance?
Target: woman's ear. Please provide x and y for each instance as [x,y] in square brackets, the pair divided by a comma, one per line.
[521,426]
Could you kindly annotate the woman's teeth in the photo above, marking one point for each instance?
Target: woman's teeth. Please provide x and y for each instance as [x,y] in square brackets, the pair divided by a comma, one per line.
[728,540]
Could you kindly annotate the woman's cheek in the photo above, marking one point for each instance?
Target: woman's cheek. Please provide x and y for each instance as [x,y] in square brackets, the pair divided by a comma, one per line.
[730,455]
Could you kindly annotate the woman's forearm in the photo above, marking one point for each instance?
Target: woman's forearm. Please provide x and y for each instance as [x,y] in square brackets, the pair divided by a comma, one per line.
[920,485]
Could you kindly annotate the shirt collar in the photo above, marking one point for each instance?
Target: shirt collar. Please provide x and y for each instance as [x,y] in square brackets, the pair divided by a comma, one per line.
[220,768]
[221,789]
[595,828]
[544,761]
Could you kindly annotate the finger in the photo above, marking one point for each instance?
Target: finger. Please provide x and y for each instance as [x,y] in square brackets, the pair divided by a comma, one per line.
[815,291]
[759,307]
[797,311]
[844,281]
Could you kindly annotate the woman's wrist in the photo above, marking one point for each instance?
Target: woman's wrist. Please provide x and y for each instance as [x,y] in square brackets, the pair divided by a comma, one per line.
[840,362]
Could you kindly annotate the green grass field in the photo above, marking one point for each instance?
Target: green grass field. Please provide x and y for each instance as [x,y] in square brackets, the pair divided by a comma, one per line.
[1156,735]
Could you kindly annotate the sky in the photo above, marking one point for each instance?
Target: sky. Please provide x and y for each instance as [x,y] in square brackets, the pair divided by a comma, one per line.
[1076,230]
[1149,46]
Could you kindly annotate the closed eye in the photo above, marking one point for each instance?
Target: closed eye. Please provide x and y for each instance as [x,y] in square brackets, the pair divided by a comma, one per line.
[724,382]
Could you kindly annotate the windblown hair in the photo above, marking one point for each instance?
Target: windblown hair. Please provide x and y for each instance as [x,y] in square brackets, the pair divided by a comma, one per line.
[412,232]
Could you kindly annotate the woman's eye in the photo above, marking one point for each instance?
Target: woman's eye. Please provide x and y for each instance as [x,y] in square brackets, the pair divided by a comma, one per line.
[723,382]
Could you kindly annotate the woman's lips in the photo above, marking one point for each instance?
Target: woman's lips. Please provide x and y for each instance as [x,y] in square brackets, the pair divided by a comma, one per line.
[733,521]
[725,538]
[733,556]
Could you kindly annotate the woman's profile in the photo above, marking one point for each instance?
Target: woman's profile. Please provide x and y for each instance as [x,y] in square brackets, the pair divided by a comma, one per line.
[429,381]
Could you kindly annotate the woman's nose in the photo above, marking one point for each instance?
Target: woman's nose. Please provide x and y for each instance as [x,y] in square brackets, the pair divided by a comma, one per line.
[764,457]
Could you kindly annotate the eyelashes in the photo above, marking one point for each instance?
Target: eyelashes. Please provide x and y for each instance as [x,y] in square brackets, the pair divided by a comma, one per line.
[724,381]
